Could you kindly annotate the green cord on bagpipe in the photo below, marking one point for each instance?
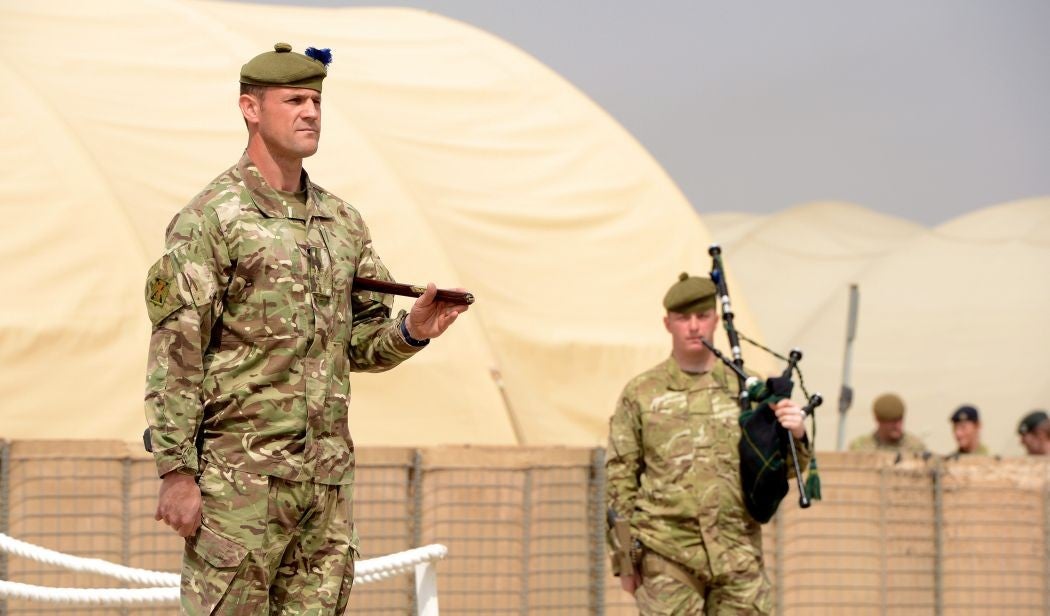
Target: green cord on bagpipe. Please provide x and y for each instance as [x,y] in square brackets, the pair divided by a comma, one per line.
[764,443]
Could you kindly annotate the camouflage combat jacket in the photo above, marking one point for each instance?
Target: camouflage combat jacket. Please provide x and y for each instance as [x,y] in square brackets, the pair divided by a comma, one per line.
[673,469]
[256,329]
[871,442]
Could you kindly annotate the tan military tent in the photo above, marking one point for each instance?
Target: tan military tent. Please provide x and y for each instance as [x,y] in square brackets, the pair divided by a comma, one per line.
[948,316]
[474,165]
[793,262]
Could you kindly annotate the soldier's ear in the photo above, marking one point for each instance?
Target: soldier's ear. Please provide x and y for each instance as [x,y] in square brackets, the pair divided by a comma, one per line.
[250,106]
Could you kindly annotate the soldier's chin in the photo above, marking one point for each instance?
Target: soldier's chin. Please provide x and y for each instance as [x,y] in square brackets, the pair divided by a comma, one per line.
[308,146]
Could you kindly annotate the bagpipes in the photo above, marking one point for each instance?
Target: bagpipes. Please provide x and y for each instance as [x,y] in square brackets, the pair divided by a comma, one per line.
[764,445]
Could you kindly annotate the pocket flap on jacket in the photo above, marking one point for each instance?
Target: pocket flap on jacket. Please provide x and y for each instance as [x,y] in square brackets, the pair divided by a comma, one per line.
[217,550]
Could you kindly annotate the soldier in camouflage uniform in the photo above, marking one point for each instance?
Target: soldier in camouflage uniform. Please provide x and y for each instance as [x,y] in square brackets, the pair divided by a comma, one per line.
[673,474]
[889,435]
[256,326]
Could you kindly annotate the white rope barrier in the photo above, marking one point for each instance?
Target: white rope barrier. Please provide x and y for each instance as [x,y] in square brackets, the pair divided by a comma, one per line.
[383,567]
[365,571]
[89,596]
[87,565]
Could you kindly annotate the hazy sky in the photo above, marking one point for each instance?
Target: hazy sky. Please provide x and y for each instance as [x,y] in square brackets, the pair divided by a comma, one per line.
[921,109]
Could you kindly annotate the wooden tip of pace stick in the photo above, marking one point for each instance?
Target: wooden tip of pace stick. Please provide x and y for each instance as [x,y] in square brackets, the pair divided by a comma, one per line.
[454,297]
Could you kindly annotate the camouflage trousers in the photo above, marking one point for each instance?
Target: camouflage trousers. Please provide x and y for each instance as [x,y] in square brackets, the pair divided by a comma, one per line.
[269,546]
[668,589]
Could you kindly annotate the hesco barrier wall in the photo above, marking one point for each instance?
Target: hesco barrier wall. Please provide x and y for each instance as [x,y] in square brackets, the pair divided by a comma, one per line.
[525,530]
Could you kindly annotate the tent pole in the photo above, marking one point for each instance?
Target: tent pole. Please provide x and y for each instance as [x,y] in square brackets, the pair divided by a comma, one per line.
[497,377]
[846,393]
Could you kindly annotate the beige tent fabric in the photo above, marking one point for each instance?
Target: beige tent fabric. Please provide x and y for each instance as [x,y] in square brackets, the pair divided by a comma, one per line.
[474,165]
[792,263]
[727,228]
[956,315]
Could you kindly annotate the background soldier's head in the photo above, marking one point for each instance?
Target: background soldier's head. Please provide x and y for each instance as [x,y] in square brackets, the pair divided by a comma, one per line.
[888,410]
[1034,431]
[966,427]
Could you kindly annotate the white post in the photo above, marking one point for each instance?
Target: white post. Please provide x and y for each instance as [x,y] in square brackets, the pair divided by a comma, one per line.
[426,589]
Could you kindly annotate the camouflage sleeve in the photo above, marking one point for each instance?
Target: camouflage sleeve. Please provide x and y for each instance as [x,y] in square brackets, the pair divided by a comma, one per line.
[184,291]
[376,343]
[623,465]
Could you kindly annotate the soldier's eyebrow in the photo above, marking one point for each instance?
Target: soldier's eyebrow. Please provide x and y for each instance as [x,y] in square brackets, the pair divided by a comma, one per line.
[298,97]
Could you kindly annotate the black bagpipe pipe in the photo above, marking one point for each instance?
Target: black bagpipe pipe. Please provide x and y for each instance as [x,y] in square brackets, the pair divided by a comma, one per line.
[764,443]
[718,277]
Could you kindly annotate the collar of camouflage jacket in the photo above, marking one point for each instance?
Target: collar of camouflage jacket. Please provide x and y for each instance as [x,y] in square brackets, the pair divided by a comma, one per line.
[272,204]
[680,380]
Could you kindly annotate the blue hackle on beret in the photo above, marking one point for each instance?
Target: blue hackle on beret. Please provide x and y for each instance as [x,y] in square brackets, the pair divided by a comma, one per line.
[324,56]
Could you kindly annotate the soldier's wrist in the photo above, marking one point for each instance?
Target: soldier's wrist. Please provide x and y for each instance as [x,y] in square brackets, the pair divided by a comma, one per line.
[181,473]
[408,337]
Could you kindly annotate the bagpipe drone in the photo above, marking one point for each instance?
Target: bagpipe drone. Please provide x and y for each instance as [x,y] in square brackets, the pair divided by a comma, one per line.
[765,446]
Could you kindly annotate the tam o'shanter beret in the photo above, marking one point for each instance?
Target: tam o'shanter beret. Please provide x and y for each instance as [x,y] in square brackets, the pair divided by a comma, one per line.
[284,67]
[888,407]
[690,294]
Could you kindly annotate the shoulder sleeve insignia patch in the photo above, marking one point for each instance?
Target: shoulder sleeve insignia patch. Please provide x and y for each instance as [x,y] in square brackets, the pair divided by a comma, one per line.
[158,291]
[162,292]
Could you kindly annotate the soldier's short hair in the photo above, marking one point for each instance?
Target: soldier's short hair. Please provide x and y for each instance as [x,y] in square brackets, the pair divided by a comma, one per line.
[253,90]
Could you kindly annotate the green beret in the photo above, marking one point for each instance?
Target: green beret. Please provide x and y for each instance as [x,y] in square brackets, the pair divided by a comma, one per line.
[888,407]
[283,67]
[690,294]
